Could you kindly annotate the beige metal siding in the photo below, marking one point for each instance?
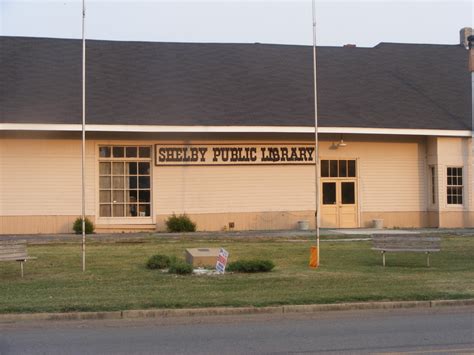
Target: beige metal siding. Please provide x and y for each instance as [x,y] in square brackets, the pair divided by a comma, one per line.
[392,175]
[43,177]
[216,189]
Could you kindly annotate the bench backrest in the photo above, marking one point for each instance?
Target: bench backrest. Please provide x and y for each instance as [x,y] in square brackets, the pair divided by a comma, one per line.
[406,242]
[13,250]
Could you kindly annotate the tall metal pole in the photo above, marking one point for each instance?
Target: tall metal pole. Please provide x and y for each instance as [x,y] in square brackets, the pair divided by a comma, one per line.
[316,138]
[470,40]
[83,138]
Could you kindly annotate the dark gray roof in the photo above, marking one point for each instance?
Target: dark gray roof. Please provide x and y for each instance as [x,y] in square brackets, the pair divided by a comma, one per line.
[388,86]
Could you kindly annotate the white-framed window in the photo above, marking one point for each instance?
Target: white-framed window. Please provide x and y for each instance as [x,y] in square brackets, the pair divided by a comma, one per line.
[338,168]
[454,186]
[124,181]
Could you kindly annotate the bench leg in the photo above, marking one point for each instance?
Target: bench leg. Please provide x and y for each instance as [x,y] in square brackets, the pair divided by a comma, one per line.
[428,259]
[21,267]
[383,258]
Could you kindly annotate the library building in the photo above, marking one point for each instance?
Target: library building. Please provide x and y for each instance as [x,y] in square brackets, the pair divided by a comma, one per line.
[225,134]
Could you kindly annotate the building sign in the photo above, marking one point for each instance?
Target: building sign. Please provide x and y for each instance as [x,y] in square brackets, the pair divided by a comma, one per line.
[222,261]
[173,155]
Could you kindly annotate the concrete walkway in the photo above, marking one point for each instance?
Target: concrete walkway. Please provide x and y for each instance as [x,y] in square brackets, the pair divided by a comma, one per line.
[290,234]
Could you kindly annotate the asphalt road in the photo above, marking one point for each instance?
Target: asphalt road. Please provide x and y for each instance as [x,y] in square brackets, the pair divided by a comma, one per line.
[420,331]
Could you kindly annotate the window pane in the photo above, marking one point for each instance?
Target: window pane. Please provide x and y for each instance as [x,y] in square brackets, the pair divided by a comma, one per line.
[348,193]
[342,168]
[104,168]
[333,168]
[131,195]
[324,168]
[117,168]
[351,167]
[329,193]
[118,182]
[454,195]
[118,152]
[105,211]
[144,196]
[144,210]
[118,196]
[131,210]
[104,152]
[144,168]
[450,180]
[119,211]
[104,182]
[105,196]
[132,182]
[145,152]
[144,182]
[131,152]
[131,168]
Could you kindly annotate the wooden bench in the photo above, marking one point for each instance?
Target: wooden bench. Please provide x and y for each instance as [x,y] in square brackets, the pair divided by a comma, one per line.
[14,251]
[395,243]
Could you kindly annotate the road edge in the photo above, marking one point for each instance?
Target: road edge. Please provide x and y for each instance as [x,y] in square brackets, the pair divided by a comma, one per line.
[228,311]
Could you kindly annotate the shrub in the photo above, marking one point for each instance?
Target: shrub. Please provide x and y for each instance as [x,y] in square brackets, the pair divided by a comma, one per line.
[255,265]
[77,226]
[158,261]
[181,223]
[181,268]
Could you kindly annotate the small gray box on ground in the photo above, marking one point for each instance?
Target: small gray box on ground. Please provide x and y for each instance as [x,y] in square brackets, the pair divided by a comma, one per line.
[202,256]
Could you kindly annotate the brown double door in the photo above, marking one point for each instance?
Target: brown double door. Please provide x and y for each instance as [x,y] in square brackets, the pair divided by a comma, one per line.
[339,203]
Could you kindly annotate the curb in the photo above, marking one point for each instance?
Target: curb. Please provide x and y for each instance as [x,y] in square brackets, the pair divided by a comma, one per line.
[229,311]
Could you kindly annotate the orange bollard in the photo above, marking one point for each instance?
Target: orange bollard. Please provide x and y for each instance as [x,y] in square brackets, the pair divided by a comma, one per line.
[313,259]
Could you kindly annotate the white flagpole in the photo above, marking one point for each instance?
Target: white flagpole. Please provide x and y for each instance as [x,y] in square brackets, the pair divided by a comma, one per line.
[83,138]
[316,138]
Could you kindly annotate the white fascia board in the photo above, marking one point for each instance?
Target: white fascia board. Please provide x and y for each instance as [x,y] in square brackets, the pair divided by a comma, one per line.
[40,127]
[230,129]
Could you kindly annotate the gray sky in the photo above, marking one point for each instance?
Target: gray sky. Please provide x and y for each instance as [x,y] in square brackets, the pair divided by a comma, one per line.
[364,23]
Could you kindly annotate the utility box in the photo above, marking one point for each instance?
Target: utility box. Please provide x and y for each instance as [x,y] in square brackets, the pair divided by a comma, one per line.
[202,256]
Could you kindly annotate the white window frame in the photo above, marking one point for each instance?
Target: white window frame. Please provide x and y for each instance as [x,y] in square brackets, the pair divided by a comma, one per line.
[455,185]
[125,219]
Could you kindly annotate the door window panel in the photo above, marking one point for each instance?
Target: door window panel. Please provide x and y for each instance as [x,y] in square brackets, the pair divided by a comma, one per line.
[348,193]
[329,193]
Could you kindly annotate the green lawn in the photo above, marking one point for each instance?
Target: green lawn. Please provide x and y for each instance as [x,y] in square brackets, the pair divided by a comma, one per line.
[116,278]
